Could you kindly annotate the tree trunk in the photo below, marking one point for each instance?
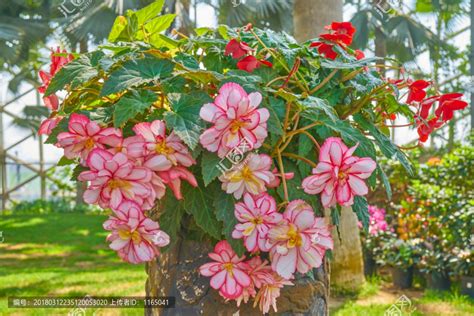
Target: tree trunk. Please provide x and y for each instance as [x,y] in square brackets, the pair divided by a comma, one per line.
[347,268]
[311,16]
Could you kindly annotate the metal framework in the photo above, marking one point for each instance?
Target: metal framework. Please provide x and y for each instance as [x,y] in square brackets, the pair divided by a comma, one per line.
[5,154]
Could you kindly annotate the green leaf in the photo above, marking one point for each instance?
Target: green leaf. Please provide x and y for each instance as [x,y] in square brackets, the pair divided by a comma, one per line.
[137,72]
[224,205]
[119,30]
[275,107]
[198,203]
[65,161]
[77,171]
[132,104]
[336,64]
[361,208]
[76,72]
[312,103]
[385,181]
[160,24]
[209,164]
[170,220]
[149,12]
[389,149]
[160,40]
[184,117]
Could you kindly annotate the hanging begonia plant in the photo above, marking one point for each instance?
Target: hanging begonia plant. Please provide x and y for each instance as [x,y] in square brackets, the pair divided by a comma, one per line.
[244,132]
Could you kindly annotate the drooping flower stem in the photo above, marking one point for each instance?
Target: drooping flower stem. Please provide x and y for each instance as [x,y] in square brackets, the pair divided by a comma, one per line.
[309,162]
[323,83]
[282,172]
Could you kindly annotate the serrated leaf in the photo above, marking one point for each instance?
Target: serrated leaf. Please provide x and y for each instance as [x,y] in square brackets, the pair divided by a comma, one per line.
[160,40]
[361,208]
[137,72]
[119,30]
[132,104]
[224,205]
[150,11]
[209,168]
[160,24]
[336,64]
[76,72]
[184,117]
[275,107]
[389,149]
[312,103]
[199,204]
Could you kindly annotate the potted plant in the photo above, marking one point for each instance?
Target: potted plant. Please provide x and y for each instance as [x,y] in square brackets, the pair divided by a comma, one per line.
[462,262]
[234,141]
[401,256]
[434,263]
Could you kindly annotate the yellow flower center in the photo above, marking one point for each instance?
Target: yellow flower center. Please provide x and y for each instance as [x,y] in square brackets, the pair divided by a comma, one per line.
[163,148]
[236,125]
[126,234]
[294,238]
[341,175]
[229,267]
[257,220]
[89,143]
[119,184]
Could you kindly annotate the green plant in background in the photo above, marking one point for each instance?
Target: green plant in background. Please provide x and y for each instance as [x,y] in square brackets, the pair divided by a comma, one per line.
[52,206]
[399,253]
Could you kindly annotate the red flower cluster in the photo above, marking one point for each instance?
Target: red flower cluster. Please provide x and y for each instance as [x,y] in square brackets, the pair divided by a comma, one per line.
[340,33]
[238,49]
[447,104]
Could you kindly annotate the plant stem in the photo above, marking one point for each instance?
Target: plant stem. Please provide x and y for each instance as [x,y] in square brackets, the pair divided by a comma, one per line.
[282,172]
[325,80]
[309,162]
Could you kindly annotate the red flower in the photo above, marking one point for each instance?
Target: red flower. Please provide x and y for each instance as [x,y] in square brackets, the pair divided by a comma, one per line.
[325,49]
[340,33]
[425,129]
[359,54]
[237,49]
[250,63]
[448,103]
[417,92]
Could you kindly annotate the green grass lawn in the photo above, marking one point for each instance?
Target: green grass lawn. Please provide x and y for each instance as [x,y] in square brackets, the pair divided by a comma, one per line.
[62,255]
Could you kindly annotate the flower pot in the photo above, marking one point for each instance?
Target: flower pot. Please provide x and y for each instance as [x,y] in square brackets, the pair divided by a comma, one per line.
[402,278]
[370,266]
[438,281]
[467,285]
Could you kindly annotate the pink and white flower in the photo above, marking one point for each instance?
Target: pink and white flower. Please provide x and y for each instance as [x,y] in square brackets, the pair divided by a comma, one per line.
[256,214]
[236,117]
[172,178]
[48,125]
[135,237]
[84,135]
[299,241]
[269,292]
[57,62]
[167,150]
[228,271]
[339,176]
[114,179]
[252,176]
[260,273]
